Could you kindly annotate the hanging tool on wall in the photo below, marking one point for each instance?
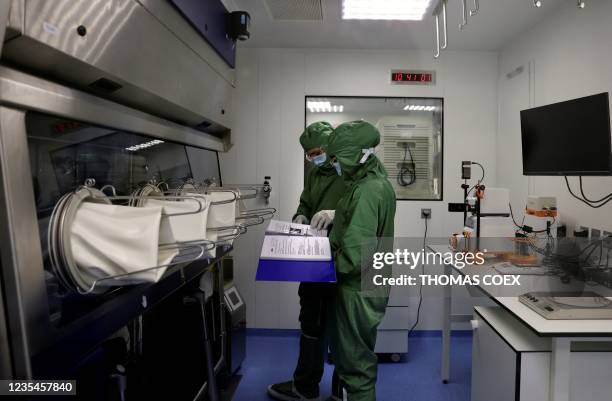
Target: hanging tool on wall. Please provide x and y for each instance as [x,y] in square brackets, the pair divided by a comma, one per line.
[407,167]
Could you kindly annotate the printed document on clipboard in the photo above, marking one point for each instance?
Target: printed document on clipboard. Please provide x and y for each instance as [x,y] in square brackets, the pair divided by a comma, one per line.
[277,227]
[287,247]
[297,258]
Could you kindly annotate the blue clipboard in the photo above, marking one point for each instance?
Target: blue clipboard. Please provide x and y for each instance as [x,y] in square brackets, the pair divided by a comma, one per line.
[296,271]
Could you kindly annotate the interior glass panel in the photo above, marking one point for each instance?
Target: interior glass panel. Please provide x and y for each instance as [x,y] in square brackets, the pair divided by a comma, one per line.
[64,153]
[411,133]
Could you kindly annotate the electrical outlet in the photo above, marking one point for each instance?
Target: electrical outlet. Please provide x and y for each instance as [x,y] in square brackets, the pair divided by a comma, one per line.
[581,231]
[426,213]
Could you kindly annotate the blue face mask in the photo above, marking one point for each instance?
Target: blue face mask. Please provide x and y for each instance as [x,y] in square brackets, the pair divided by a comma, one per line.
[337,167]
[319,160]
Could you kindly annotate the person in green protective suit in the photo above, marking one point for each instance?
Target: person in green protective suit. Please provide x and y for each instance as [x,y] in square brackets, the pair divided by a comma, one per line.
[363,224]
[322,191]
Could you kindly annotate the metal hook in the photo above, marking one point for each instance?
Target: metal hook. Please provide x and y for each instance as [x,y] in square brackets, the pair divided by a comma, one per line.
[160,185]
[254,221]
[252,213]
[112,188]
[236,232]
[464,14]
[476,8]
[224,228]
[445,26]
[117,276]
[437,48]
[202,202]
[248,196]
[241,188]
[221,202]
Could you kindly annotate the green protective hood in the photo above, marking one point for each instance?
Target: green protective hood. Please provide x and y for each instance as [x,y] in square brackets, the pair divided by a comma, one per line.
[316,135]
[348,143]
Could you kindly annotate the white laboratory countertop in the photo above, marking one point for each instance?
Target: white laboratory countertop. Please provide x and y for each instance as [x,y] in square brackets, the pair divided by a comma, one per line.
[517,335]
[542,326]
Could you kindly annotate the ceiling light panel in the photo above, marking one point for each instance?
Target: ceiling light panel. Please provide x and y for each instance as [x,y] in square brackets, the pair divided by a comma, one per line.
[401,10]
[413,107]
[144,145]
[315,106]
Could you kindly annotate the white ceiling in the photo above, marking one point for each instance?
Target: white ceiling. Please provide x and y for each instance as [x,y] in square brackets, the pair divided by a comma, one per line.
[495,25]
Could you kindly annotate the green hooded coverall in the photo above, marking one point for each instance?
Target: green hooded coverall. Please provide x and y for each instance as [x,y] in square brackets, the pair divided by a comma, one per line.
[322,191]
[363,224]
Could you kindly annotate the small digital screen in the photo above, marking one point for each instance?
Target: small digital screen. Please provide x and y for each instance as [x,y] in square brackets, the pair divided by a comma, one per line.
[234,298]
[411,77]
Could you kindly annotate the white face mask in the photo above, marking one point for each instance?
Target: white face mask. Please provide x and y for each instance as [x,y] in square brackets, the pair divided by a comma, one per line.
[319,160]
[366,154]
[337,167]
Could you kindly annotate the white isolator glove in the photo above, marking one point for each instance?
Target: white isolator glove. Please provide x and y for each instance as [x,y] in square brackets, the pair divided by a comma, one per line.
[322,219]
[300,219]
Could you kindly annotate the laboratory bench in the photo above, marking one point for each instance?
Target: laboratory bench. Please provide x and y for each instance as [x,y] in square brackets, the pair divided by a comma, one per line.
[524,331]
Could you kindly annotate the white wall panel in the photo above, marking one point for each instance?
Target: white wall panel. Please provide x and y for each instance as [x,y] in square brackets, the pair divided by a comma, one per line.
[571,57]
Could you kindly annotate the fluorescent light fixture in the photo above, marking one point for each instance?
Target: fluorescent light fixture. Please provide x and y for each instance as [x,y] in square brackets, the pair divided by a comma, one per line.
[318,107]
[144,145]
[537,3]
[323,107]
[413,107]
[581,4]
[401,10]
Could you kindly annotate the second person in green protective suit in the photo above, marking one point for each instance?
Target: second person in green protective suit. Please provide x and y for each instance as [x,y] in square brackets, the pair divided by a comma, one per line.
[322,191]
[363,224]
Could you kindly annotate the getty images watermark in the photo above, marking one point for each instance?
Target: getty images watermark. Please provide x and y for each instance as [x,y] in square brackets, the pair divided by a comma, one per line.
[404,258]
[503,267]
[437,264]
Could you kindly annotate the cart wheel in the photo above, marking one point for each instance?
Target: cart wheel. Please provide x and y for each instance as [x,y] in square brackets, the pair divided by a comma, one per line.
[396,357]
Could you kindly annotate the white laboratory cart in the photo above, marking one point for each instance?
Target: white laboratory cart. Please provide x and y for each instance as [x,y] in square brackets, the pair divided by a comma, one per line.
[510,362]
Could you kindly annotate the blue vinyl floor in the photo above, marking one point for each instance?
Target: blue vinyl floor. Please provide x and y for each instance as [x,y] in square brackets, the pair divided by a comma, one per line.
[271,358]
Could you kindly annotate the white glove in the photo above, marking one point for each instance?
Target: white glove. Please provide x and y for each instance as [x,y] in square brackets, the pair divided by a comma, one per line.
[300,219]
[322,219]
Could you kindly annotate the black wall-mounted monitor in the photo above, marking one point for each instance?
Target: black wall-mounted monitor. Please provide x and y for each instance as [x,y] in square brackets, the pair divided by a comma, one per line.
[568,138]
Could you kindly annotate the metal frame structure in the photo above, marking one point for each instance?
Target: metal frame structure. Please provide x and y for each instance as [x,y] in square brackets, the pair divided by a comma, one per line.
[5,357]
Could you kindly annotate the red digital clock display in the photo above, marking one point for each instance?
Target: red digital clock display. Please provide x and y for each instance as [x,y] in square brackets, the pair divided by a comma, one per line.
[409,77]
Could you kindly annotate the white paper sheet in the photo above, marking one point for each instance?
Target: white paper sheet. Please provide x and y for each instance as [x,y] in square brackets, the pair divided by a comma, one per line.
[277,227]
[285,247]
